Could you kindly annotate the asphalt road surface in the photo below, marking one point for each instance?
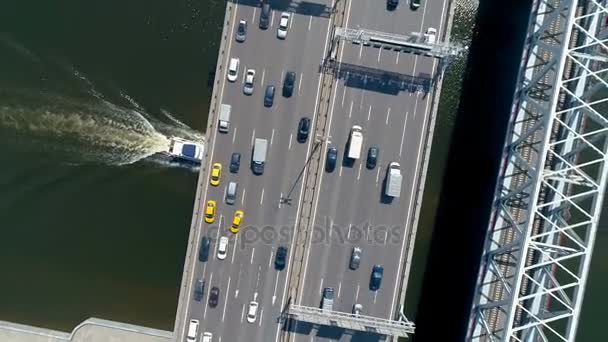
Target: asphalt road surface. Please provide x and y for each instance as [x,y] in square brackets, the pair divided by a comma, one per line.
[248,271]
[351,210]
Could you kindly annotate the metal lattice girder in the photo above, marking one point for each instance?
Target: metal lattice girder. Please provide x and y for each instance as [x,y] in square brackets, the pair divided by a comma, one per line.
[552,181]
[412,43]
[351,322]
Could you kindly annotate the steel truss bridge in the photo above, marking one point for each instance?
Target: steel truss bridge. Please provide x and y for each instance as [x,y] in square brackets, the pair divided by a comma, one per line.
[550,188]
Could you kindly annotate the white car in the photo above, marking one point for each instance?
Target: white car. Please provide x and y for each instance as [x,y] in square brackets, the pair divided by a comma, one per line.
[233,69]
[431,35]
[252,312]
[222,248]
[207,337]
[283,25]
[249,78]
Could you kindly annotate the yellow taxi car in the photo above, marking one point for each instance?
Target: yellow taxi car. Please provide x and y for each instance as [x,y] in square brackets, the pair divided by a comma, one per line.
[216,173]
[236,221]
[210,211]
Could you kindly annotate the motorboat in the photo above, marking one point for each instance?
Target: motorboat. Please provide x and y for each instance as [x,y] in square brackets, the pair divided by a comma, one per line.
[185,150]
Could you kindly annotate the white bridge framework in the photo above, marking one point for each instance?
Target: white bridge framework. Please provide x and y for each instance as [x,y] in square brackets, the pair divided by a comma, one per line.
[552,179]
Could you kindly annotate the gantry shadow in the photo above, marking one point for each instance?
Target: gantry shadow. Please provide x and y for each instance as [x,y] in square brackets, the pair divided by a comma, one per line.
[299,7]
[378,80]
[330,332]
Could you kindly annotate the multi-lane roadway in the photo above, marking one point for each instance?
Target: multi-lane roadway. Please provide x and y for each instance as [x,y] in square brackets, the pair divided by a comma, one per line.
[349,210]
[248,271]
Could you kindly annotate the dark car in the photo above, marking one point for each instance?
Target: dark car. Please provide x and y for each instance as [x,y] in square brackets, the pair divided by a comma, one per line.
[414,4]
[280,260]
[331,159]
[214,296]
[303,129]
[265,16]
[241,31]
[288,82]
[269,96]
[235,162]
[392,4]
[199,289]
[372,157]
[376,278]
[355,258]
[203,252]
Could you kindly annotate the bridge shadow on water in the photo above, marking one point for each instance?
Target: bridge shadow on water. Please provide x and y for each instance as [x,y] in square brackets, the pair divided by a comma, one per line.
[298,7]
[470,174]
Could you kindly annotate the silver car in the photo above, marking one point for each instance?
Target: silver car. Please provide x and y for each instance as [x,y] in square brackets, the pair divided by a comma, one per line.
[355,258]
[249,79]
[241,31]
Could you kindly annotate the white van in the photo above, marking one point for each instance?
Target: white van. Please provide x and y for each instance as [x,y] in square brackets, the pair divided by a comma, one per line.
[192,330]
[233,69]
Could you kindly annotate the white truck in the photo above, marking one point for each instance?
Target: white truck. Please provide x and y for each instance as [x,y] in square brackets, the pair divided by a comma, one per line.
[259,156]
[224,119]
[393,180]
[355,142]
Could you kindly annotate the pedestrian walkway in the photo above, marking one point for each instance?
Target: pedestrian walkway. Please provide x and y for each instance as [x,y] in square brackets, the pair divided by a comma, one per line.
[91,330]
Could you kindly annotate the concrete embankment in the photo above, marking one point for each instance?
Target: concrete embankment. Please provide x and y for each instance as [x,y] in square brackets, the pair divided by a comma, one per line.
[91,330]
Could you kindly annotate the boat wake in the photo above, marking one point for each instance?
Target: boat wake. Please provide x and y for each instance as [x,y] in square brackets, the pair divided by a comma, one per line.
[77,130]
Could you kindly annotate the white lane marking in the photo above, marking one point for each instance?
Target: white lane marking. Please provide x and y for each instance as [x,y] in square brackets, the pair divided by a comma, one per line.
[375,295]
[343,95]
[385,237]
[359,174]
[272,19]
[252,253]
[272,136]
[243,197]
[234,248]
[234,135]
[290,138]
[276,283]
[340,173]
[350,226]
[397,60]
[263,75]
[403,133]
[252,136]
[369,112]
[270,259]
[226,299]
[300,83]
[291,18]
[331,227]
[350,111]
[360,50]
[280,200]
[339,289]
[261,316]
[357,293]
[309,23]
[243,313]
[244,73]
[378,175]
[207,302]
[282,73]
[379,53]
[262,197]
[388,114]
[321,285]
[253,16]
[204,195]
[220,340]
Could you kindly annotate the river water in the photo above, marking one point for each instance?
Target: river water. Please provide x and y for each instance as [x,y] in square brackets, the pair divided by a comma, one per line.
[92,223]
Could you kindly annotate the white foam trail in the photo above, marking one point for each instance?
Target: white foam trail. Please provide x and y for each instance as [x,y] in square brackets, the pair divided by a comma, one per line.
[8,41]
[168,115]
